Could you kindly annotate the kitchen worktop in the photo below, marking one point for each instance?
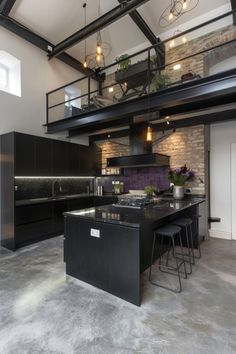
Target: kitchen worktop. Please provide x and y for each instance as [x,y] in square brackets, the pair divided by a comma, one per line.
[131,217]
[33,201]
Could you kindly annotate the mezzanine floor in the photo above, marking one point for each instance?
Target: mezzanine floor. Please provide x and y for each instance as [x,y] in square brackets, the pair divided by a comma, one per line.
[43,313]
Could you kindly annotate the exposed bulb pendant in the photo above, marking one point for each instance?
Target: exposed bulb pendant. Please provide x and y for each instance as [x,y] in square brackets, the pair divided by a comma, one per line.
[85,64]
[99,48]
[149,134]
[184,4]
[171,16]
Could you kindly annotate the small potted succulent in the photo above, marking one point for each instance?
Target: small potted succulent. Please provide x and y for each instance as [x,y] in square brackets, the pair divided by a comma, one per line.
[179,176]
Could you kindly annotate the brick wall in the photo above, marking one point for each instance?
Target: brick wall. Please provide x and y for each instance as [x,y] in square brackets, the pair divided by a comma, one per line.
[186,145]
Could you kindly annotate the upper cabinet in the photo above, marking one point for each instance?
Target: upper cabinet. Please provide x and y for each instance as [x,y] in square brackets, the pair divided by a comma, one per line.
[24,155]
[43,156]
[38,156]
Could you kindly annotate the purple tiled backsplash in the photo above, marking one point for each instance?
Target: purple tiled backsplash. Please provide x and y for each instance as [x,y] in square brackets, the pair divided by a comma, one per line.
[138,178]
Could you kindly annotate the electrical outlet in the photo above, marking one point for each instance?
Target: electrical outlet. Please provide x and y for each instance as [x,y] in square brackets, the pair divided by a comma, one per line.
[95,233]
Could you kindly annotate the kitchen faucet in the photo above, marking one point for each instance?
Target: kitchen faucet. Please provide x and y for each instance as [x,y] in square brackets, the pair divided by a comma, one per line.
[53,187]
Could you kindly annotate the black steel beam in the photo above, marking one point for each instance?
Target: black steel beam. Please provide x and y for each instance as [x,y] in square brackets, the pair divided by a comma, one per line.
[146,30]
[109,135]
[233,5]
[210,118]
[105,125]
[202,118]
[217,88]
[33,38]
[108,18]
[6,6]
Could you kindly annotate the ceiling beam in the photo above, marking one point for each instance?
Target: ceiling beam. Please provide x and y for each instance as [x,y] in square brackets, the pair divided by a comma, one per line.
[6,6]
[233,5]
[33,38]
[105,20]
[152,38]
[201,118]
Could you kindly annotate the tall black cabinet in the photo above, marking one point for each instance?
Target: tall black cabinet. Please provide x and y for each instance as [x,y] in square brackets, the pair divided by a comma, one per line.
[27,155]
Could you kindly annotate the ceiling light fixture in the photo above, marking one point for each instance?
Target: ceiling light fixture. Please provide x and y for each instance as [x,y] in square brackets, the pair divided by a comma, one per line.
[175,10]
[96,59]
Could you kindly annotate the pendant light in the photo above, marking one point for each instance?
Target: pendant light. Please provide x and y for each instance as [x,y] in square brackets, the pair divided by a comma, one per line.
[149,134]
[85,42]
[99,53]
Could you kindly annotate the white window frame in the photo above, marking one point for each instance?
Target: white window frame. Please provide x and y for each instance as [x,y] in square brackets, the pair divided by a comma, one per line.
[6,87]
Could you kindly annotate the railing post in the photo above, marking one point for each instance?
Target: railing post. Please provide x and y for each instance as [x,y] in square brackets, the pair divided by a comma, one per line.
[89,89]
[46,108]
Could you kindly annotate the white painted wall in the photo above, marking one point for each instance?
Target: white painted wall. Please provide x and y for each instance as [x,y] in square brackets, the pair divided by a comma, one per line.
[223,135]
[28,113]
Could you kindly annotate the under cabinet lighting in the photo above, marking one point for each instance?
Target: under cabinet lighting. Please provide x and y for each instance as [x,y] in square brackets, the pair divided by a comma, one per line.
[54,177]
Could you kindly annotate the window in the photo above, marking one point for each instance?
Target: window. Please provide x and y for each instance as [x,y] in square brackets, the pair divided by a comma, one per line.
[10,74]
[4,77]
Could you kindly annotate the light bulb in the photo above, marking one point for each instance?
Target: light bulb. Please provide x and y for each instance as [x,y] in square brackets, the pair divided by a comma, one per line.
[149,134]
[99,49]
[184,5]
[85,64]
[172,44]
[171,16]
[98,57]
[184,39]
[111,89]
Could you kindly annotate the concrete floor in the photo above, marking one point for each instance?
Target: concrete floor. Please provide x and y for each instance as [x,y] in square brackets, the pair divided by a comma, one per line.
[42,312]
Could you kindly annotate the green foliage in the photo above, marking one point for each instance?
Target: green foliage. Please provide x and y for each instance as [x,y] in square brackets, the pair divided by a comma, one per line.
[124,63]
[150,190]
[159,81]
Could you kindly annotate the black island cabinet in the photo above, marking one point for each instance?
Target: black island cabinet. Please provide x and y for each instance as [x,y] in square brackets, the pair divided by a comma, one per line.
[109,247]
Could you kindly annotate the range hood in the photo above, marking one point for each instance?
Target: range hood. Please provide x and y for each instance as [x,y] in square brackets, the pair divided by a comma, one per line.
[140,152]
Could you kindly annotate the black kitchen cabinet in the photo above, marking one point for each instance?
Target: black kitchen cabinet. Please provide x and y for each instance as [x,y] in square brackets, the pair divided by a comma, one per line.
[73,159]
[59,208]
[60,155]
[43,156]
[24,155]
[33,222]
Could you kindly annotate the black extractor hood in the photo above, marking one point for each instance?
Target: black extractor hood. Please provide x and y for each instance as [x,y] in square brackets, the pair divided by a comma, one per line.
[140,152]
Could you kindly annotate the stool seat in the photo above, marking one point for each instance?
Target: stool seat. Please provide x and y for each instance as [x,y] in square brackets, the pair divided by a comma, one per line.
[168,230]
[183,221]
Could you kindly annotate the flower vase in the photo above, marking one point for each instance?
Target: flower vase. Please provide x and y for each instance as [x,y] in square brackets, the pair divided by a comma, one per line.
[178,192]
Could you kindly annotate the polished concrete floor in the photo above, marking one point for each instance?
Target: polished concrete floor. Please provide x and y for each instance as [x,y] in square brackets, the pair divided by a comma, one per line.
[43,312]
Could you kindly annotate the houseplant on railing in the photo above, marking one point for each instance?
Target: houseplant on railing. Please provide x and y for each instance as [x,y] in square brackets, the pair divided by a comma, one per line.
[179,176]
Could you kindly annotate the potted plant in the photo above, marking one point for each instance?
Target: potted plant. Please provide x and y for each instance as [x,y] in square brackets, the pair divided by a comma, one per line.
[150,191]
[123,62]
[159,81]
[179,176]
[134,75]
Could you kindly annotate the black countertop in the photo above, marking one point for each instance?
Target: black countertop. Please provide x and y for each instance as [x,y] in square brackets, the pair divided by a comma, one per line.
[135,217]
[24,202]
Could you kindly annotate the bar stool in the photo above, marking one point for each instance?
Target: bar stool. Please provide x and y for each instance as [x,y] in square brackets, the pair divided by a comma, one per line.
[195,219]
[186,224]
[169,232]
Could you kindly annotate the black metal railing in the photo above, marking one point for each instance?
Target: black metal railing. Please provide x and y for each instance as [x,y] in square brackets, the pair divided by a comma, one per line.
[85,94]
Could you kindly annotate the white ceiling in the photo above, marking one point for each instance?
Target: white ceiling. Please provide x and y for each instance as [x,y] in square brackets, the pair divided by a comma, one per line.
[57,19]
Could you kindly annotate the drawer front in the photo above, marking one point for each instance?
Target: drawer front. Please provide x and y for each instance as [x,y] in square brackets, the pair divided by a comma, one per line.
[33,231]
[33,213]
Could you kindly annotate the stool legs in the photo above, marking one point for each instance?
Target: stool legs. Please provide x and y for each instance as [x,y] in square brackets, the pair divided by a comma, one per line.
[166,267]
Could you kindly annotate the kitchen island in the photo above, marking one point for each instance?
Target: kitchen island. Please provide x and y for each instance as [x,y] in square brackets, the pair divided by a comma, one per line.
[109,246]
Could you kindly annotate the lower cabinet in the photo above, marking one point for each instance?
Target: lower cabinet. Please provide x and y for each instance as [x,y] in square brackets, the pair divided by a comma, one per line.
[33,222]
[40,221]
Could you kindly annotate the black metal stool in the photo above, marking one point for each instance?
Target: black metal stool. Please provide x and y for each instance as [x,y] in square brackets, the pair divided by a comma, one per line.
[170,232]
[195,219]
[186,224]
